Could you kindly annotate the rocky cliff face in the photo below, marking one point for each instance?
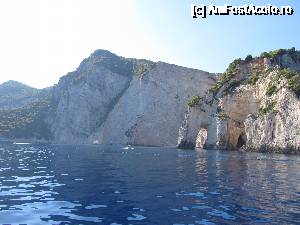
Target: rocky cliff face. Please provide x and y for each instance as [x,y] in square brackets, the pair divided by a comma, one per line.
[110,99]
[253,106]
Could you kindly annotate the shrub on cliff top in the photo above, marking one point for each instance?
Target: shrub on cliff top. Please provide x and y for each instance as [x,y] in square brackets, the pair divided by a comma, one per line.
[264,55]
[231,71]
[279,52]
[248,58]
[226,76]
[141,67]
[233,66]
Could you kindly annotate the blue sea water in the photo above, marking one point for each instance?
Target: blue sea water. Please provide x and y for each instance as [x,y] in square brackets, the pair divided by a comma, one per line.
[51,184]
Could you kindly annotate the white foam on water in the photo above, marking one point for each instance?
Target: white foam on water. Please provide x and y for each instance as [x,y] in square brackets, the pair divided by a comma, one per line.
[136,217]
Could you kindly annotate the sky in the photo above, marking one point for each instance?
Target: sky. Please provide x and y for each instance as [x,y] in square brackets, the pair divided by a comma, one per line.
[42,40]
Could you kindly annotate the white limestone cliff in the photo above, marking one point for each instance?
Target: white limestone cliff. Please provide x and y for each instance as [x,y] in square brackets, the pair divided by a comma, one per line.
[98,105]
[257,109]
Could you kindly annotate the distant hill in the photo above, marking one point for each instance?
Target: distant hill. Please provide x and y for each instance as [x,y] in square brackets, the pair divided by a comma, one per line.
[15,95]
[22,109]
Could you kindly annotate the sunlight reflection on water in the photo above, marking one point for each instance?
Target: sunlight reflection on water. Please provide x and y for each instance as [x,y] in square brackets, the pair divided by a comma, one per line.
[48,184]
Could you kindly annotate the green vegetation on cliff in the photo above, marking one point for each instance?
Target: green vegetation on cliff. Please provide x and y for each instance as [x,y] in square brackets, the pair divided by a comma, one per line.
[221,114]
[267,109]
[228,82]
[271,89]
[194,101]
[279,52]
[26,122]
[142,66]
[248,58]
[253,79]
[227,76]
[292,82]
[124,66]
[109,61]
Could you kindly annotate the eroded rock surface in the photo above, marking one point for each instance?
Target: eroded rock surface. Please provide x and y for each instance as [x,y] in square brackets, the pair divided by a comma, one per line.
[114,100]
[254,106]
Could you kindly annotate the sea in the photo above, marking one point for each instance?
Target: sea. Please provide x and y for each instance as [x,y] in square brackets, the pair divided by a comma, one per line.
[45,184]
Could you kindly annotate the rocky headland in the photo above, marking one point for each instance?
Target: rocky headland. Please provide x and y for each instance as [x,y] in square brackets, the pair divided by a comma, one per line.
[110,99]
[253,106]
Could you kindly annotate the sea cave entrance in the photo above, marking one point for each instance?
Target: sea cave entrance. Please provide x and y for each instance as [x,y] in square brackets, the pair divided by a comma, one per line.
[242,140]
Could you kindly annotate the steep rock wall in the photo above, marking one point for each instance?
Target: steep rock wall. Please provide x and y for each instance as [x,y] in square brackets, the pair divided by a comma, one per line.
[82,107]
[150,111]
[114,100]
[254,107]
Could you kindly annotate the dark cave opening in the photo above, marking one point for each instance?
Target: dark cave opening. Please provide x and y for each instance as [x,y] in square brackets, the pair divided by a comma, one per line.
[241,140]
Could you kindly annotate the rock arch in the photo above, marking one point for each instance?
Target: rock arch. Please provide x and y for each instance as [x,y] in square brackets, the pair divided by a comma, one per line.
[201,138]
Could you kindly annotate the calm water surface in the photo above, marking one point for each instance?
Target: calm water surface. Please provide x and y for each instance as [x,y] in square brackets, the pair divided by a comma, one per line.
[47,184]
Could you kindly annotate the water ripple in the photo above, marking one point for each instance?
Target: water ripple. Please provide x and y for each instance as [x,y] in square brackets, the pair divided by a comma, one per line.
[52,184]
